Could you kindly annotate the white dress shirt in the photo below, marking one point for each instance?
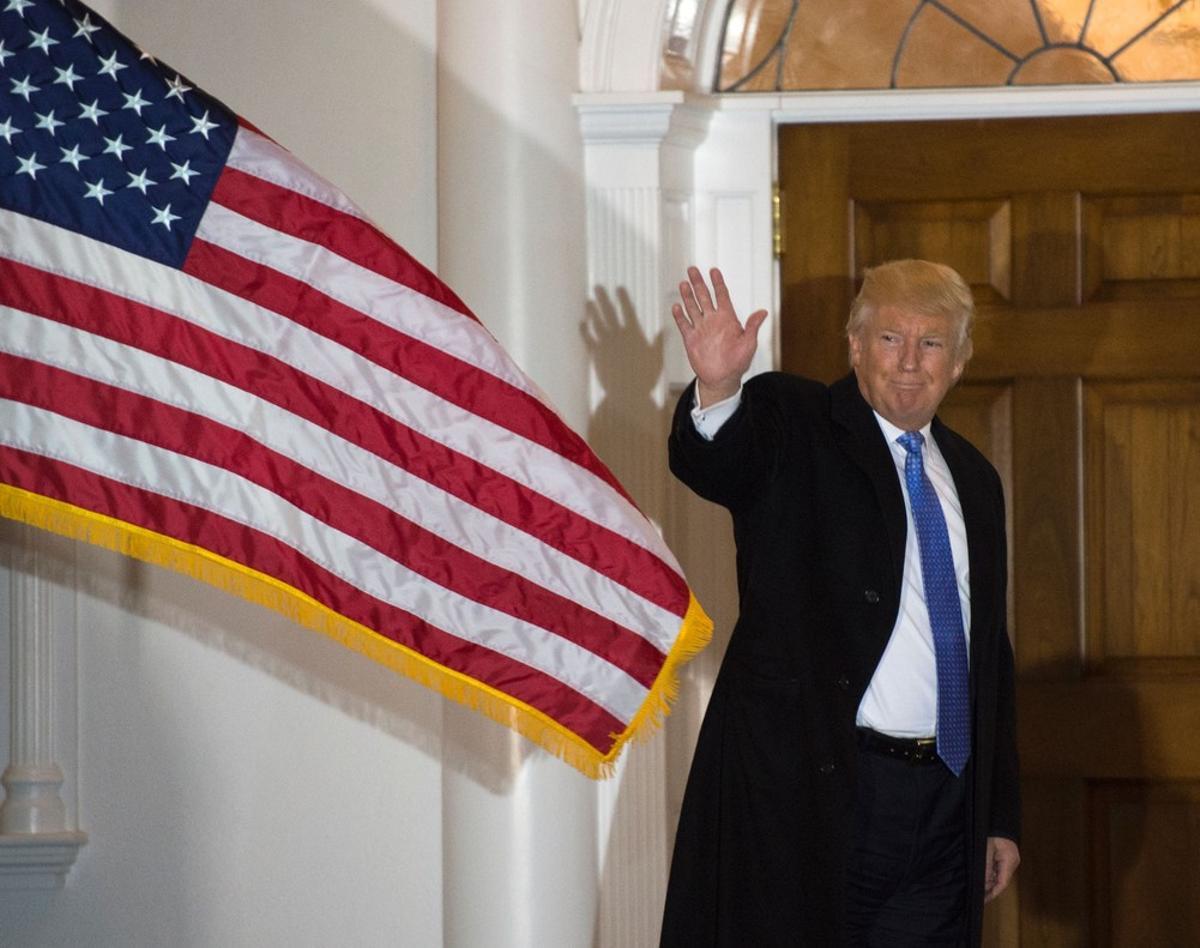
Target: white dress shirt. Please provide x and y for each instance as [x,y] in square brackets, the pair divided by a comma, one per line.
[901,698]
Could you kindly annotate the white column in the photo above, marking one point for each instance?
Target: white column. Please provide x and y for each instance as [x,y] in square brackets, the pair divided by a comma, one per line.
[37,845]
[641,211]
[519,826]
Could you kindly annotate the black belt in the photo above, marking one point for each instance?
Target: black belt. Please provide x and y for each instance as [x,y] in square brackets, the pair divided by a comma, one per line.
[915,750]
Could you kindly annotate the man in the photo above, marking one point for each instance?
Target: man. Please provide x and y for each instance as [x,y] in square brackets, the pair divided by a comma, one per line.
[855,779]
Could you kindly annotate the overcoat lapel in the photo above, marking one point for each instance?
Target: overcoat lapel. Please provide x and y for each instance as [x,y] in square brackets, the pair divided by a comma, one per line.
[858,435]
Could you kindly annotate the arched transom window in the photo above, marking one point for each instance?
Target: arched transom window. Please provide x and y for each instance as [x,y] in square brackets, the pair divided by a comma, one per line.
[782,45]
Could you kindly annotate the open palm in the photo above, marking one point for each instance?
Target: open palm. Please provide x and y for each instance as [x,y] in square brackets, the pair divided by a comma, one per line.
[718,347]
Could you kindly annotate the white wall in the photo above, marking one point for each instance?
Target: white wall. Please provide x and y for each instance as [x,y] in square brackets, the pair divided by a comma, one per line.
[243,781]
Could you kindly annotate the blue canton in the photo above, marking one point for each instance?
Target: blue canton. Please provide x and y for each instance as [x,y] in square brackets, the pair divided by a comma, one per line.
[945,609]
[99,138]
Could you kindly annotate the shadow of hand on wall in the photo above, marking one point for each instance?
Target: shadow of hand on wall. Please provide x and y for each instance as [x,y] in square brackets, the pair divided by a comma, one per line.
[628,427]
[628,430]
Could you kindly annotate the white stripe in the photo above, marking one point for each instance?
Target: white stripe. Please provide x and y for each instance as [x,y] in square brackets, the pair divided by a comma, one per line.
[171,475]
[262,158]
[393,304]
[136,278]
[343,462]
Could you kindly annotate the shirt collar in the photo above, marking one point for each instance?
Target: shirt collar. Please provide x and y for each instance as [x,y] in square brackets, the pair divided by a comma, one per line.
[891,432]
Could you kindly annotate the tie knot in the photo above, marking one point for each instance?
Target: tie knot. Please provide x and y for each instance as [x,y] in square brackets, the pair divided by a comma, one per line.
[912,441]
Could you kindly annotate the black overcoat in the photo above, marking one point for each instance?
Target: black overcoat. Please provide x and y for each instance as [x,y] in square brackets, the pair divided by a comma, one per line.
[819,523]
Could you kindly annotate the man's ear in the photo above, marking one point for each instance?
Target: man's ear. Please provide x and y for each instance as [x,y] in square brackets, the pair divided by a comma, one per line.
[856,349]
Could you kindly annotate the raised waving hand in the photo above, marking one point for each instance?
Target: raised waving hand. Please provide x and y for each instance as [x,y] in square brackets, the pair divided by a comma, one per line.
[718,346]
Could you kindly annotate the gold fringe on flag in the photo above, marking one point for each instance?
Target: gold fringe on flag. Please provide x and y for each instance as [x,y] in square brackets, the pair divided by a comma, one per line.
[77,523]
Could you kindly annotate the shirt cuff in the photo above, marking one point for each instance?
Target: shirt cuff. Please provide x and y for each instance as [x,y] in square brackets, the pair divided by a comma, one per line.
[708,420]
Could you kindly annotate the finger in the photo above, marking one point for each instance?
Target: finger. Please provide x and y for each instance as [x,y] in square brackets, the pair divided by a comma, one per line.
[720,290]
[688,297]
[1000,874]
[700,288]
[681,320]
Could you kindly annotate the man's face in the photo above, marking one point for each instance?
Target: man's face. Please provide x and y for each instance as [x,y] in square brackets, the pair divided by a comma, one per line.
[906,362]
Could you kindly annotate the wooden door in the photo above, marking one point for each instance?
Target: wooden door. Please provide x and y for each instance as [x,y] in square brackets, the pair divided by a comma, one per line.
[1081,240]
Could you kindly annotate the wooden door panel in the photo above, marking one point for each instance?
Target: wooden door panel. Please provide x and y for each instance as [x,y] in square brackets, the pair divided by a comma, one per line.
[1046,533]
[1096,341]
[1144,834]
[1142,247]
[974,237]
[1081,241]
[1143,515]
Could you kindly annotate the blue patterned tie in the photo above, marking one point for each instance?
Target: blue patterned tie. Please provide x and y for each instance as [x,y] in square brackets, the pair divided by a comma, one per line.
[945,609]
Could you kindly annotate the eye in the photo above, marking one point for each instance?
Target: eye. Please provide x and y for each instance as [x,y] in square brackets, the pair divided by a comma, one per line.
[933,343]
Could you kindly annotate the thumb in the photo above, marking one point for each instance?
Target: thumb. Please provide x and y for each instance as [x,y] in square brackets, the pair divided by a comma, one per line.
[755,319]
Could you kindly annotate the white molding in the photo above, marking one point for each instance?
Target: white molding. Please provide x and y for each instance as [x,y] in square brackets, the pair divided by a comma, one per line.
[622,45]
[644,118]
[976,103]
[38,860]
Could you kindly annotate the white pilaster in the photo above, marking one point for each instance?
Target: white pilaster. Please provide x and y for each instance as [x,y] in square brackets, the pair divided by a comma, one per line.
[641,212]
[519,826]
[37,843]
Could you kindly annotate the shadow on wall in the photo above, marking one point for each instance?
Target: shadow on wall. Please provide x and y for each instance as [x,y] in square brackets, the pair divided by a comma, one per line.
[629,430]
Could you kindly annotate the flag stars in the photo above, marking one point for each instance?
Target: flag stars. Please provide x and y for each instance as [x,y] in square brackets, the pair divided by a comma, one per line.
[176,88]
[159,137]
[135,101]
[163,215]
[110,66]
[201,125]
[183,172]
[97,191]
[92,112]
[72,157]
[116,146]
[29,166]
[18,5]
[5,54]
[67,77]
[140,181]
[8,130]
[85,27]
[24,87]
[42,41]
[48,121]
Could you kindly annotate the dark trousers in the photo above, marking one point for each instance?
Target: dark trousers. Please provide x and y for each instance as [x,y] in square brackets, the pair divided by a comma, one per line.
[907,878]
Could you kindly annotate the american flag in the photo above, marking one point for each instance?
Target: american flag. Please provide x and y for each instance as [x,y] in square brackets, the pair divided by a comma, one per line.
[212,360]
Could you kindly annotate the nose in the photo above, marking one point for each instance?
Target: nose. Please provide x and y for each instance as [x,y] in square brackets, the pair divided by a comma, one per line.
[910,355]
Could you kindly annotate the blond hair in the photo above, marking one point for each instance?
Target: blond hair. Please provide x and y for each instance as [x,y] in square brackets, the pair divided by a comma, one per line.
[922,286]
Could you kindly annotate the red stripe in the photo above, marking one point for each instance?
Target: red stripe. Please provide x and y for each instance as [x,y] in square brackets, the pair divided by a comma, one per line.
[145,419]
[436,371]
[134,324]
[351,237]
[271,557]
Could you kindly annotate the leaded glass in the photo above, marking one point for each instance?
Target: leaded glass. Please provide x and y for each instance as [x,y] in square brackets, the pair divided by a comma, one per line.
[782,45]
